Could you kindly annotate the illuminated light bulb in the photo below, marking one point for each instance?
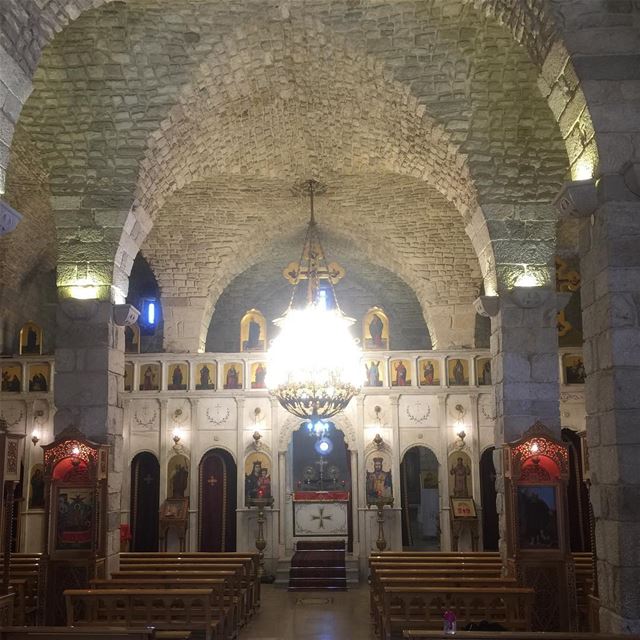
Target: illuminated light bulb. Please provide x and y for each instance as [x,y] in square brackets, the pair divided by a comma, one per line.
[534,447]
[526,279]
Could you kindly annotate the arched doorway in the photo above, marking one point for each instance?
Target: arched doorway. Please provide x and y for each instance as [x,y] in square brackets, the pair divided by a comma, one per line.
[488,495]
[217,478]
[420,493]
[145,499]
[577,495]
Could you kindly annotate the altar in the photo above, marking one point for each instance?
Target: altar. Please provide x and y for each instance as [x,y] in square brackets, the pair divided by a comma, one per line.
[321,484]
[321,514]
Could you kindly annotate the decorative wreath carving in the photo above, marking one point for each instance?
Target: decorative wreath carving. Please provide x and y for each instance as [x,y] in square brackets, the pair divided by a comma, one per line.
[421,412]
[219,417]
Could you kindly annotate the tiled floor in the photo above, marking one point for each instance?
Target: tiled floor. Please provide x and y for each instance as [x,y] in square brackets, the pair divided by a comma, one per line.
[318,615]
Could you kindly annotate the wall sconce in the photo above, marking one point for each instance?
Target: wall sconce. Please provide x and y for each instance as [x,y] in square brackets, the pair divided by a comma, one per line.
[377,440]
[257,436]
[177,436]
[35,437]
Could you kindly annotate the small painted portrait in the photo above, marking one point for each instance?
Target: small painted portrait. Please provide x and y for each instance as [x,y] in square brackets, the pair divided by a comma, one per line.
[483,371]
[178,376]
[11,377]
[253,331]
[375,329]
[429,372]
[36,487]
[374,373]
[460,472]
[39,376]
[150,377]
[378,480]
[257,476]
[463,508]
[232,375]
[258,375]
[458,370]
[128,376]
[178,477]
[537,517]
[400,373]
[132,339]
[206,376]
[74,519]
[30,339]
[573,366]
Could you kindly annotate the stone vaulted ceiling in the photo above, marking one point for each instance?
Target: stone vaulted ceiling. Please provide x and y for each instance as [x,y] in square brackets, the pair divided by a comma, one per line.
[203,114]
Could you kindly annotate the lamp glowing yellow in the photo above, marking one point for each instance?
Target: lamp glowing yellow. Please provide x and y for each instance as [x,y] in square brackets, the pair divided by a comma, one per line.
[315,347]
[583,168]
[526,279]
[84,289]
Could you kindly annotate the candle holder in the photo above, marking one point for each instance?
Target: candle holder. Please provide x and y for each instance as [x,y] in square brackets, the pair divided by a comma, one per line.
[379,503]
[261,504]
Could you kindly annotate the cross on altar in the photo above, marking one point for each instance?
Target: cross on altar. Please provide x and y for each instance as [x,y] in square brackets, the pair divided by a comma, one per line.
[211,481]
[321,462]
[321,518]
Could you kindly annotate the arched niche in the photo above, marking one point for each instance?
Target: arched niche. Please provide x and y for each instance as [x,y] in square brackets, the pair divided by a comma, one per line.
[488,497]
[145,501]
[178,477]
[217,497]
[420,499]
[253,331]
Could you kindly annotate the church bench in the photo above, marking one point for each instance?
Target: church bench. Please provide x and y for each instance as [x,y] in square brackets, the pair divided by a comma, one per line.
[227,609]
[235,593]
[382,582]
[423,634]
[404,608]
[162,609]
[241,565]
[201,557]
[62,633]
[24,570]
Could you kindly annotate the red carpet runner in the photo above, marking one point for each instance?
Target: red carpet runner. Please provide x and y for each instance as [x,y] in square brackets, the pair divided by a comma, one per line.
[318,566]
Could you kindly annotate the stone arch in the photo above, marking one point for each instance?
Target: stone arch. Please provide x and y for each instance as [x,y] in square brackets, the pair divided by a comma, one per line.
[292,423]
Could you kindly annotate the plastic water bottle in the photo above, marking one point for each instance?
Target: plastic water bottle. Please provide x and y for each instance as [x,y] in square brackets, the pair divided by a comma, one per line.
[449,622]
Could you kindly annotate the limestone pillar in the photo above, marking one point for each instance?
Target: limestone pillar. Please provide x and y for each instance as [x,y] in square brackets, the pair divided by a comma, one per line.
[610,269]
[89,373]
[524,364]
[524,369]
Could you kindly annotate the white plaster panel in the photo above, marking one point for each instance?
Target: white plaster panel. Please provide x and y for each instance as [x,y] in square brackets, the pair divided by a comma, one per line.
[419,411]
[217,414]
[261,420]
[145,415]
[143,441]
[572,410]
[179,413]
[14,413]
[224,440]
[419,437]
[487,410]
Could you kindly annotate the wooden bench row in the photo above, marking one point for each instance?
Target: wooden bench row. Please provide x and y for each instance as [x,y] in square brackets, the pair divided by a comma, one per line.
[211,593]
[424,634]
[85,633]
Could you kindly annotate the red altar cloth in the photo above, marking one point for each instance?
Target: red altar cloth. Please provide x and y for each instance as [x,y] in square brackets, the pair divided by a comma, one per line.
[321,496]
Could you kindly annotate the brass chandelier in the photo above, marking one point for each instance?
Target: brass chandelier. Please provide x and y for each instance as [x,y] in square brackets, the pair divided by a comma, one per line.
[314,364]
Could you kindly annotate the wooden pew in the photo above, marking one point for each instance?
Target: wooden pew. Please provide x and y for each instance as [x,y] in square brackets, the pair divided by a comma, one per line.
[250,578]
[25,576]
[62,633]
[420,634]
[163,609]
[405,608]
[225,609]
[197,556]
[235,593]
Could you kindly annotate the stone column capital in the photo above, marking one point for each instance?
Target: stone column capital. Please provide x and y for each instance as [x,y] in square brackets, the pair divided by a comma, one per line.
[578,199]
[522,297]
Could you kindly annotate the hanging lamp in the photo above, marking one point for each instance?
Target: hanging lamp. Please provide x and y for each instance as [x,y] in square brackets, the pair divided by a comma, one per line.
[314,364]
